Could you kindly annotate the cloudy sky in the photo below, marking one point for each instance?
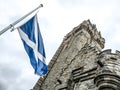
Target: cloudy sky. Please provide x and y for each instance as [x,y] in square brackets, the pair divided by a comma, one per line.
[56,19]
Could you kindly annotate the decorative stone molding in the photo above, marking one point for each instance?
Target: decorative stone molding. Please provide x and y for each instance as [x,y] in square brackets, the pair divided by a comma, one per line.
[80,75]
[107,81]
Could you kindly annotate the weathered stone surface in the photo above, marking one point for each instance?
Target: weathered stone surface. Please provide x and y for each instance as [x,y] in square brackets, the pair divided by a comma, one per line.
[108,74]
[79,62]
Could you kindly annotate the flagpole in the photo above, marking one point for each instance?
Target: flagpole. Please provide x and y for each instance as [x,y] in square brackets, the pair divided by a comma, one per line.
[19,20]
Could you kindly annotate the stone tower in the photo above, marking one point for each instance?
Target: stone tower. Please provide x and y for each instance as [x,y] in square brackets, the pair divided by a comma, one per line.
[80,64]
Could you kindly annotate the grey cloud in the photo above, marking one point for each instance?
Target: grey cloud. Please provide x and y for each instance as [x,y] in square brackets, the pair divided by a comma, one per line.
[2,86]
[9,72]
[9,75]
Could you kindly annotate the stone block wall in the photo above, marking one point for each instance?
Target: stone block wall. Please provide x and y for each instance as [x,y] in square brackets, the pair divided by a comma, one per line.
[80,64]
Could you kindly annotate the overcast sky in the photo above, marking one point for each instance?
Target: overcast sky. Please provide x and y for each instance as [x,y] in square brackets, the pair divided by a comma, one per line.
[56,19]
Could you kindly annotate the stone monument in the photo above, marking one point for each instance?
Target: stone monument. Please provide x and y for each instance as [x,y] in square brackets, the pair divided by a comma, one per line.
[81,64]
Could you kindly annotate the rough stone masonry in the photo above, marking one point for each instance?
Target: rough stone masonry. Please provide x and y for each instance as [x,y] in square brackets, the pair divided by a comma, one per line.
[81,64]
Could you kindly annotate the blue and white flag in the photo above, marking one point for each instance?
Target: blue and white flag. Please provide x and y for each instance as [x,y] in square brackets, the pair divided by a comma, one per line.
[33,44]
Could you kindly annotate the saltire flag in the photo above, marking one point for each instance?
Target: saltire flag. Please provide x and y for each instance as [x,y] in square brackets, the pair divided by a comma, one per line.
[33,44]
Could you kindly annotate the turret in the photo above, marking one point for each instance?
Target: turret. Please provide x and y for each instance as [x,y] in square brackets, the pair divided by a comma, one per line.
[74,63]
